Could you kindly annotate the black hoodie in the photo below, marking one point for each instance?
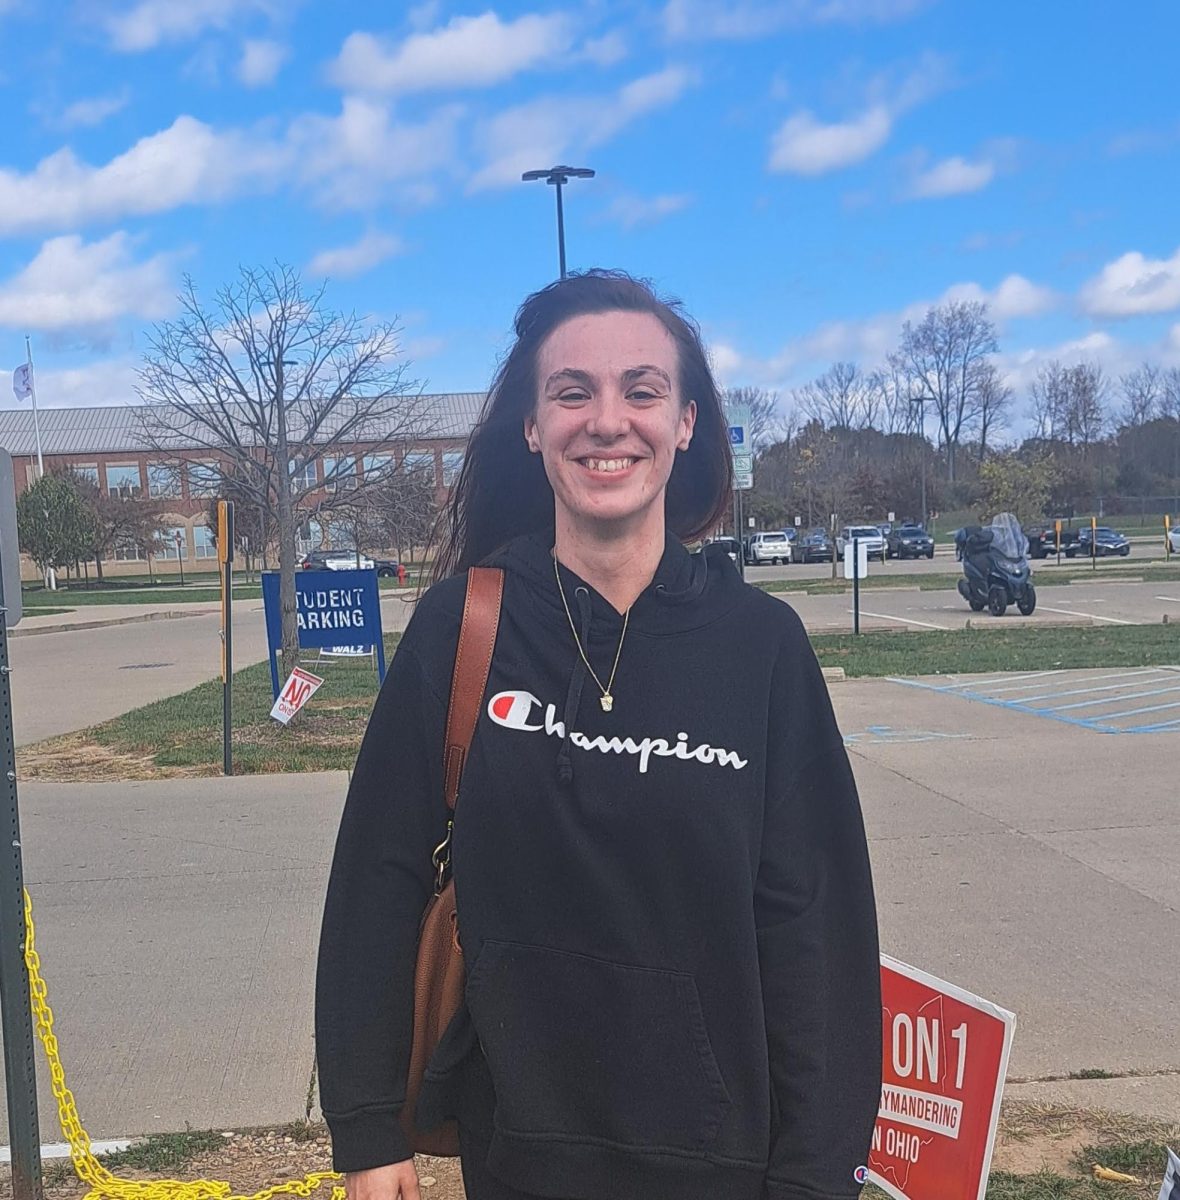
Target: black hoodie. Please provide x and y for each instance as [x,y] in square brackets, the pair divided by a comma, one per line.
[666,910]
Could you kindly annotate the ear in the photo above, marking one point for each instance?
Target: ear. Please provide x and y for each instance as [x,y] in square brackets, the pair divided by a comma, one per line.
[530,434]
[688,420]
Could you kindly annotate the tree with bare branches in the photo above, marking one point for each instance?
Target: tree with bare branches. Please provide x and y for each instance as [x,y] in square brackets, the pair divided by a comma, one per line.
[944,358]
[1143,390]
[284,393]
[994,403]
[843,397]
[765,414]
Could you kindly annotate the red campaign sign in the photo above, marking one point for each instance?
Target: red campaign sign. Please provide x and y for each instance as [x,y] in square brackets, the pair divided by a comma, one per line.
[945,1055]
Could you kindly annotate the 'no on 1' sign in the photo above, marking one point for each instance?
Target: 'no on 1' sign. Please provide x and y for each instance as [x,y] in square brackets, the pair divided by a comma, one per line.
[945,1058]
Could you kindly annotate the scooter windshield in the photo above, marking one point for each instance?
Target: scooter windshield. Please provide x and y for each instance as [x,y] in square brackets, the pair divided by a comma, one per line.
[1008,538]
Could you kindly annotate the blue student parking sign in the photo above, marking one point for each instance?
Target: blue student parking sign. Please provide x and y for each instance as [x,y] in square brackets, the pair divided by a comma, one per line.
[333,608]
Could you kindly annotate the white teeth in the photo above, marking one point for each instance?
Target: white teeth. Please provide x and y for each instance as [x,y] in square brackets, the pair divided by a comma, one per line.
[609,464]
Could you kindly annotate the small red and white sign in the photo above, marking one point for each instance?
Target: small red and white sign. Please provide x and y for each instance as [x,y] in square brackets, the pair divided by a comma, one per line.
[297,691]
[942,1079]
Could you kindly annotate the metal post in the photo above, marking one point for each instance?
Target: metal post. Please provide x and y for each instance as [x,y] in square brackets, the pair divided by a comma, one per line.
[20,1074]
[560,231]
[33,397]
[740,518]
[856,586]
[227,690]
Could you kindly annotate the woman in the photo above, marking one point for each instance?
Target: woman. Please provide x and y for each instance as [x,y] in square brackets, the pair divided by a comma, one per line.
[660,866]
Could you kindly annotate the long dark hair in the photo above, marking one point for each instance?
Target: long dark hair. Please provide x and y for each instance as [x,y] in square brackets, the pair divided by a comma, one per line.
[502,490]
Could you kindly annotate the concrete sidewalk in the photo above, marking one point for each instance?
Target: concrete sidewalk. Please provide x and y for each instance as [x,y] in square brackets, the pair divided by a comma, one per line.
[1031,862]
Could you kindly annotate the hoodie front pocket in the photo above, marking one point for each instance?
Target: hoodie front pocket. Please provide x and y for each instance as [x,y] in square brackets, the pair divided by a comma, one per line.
[587,1048]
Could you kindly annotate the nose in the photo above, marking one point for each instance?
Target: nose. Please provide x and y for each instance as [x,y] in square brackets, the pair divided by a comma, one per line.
[609,418]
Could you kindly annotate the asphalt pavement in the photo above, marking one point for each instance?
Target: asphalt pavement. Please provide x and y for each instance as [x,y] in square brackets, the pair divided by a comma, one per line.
[1030,860]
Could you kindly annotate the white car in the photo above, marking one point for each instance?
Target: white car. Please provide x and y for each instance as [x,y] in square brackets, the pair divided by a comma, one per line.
[337,560]
[868,536]
[1174,539]
[774,547]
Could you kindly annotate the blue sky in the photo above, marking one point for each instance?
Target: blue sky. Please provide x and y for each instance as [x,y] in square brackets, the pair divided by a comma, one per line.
[804,174]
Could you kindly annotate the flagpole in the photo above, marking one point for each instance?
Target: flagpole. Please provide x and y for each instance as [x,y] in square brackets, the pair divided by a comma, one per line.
[33,396]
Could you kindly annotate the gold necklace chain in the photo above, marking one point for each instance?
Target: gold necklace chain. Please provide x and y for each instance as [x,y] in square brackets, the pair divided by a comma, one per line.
[607,700]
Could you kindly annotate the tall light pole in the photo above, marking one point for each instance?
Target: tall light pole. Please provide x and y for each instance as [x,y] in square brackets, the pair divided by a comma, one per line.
[559,177]
[920,401]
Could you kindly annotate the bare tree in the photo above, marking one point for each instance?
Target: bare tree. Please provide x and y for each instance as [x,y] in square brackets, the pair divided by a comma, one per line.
[944,358]
[843,397]
[765,415]
[1143,390]
[1085,414]
[396,513]
[1049,402]
[1169,401]
[274,385]
[995,405]
[894,406]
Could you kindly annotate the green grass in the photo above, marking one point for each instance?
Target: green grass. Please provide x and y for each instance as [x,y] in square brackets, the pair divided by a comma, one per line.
[165,1152]
[1023,647]
[37,597]
[44,610]
[1091,1073]
[1146,1159]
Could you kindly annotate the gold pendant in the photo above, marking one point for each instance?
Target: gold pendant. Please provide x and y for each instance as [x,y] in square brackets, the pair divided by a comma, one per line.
[607,701]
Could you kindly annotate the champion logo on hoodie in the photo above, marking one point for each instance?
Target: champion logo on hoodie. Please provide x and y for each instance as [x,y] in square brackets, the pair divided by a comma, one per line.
[523,711]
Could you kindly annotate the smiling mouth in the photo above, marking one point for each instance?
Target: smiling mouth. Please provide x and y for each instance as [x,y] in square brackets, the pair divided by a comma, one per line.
[607,466]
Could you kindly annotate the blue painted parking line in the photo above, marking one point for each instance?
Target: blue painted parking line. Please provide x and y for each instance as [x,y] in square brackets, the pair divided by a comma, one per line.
[1106,700]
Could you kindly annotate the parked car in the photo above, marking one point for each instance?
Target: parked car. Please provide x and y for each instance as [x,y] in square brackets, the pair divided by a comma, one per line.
[1174,539]
[769,547]
[1102,541]
[815,547]
[386,568]
[868,536]
[337,560]
[1042,541]
[732,546]
[909,541]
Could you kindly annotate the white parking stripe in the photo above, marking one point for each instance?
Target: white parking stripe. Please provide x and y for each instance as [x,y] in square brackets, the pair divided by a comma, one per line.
[1170,599]
[970,683]
[864,612]
[1023,687]
[1073,612]
[1110,687]
[1134,712]
[1109,699]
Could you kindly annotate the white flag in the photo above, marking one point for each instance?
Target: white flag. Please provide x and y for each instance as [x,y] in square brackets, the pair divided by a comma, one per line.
[22,381]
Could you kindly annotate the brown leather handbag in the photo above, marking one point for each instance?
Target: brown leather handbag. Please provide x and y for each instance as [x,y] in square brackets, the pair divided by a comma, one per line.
[439,974]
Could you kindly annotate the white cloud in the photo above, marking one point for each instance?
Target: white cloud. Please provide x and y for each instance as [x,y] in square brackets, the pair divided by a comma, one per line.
[104,382]
[630,211]
[1014,297]
[542,131]
[1134,285]
[468,52]
[700,19]
[71,284]
[350,160]
[806,146]
[953,177]
[91,111]
[150,23]
[362,255]
[260,62]
[186,163]
[605,51]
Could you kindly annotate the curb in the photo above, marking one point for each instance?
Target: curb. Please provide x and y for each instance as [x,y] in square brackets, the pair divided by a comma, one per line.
[69,626]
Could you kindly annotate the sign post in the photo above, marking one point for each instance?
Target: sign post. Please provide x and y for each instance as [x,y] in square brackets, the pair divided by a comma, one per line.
[737,418]
[1094,543]
[1057,537]
[942,1079]
[1167,536]
[20,1075]
[225,557]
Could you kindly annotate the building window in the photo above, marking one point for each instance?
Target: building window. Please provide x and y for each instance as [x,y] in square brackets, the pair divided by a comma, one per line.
[340,473]
[204,542]
[124,480]
[204,478]
[452,464]
[87,471]
[309,537]
[127,552]
[419,460]
[163,480]
[376,464]
[303,475]
[169,548]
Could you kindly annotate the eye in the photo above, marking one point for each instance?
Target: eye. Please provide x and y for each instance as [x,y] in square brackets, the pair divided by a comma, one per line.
[642,395]
[573,397]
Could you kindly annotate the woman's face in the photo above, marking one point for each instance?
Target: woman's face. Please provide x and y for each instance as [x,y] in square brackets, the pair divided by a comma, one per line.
[609,416]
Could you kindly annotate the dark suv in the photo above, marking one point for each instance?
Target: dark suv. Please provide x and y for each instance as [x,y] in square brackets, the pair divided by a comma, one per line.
[909,541]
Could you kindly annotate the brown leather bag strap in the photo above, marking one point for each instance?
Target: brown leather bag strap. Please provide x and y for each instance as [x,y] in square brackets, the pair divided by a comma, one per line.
[473,662]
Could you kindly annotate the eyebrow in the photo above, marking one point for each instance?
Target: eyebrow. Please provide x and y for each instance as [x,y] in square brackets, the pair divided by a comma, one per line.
[629,375]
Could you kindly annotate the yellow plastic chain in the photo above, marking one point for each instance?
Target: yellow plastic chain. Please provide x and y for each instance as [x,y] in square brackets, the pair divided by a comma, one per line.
[102,1183]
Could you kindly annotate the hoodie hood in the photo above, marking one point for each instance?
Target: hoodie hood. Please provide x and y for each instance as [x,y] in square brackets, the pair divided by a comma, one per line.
[688,591]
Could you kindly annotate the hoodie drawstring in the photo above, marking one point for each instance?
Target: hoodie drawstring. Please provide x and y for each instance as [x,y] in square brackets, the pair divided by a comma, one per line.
[573,697]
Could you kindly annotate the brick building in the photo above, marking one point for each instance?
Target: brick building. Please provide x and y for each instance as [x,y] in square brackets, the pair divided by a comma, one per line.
[106,444]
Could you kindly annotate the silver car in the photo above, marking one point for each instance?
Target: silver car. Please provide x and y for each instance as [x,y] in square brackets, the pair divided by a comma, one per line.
[869,536]
[768,548]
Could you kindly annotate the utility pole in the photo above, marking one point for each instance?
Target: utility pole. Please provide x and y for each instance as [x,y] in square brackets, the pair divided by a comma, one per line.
[920,401]
[559,177]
